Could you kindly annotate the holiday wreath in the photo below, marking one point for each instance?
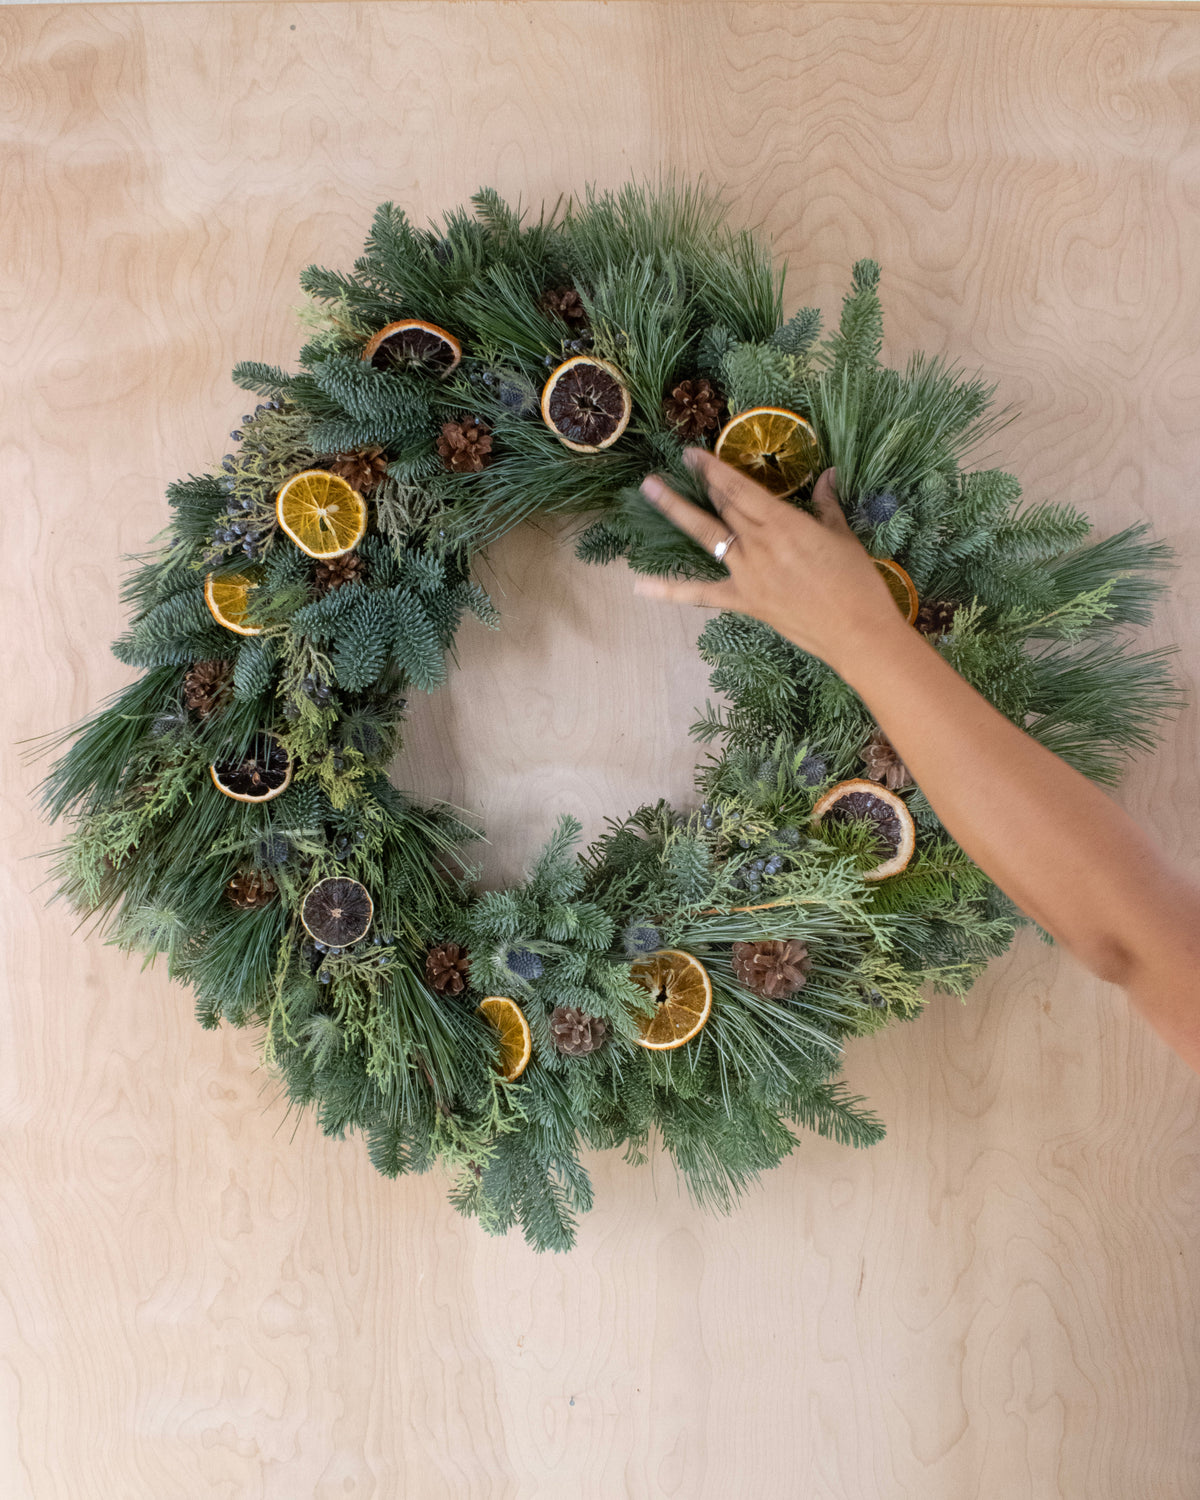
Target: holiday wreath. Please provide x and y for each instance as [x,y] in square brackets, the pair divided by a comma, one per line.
[693,970]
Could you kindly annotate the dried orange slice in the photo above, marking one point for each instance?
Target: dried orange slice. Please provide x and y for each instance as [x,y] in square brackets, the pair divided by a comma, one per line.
[414,344]
[337,911]
[901,587]
[586,403]
[775,446]
[228,596]
[322,513]
[516,1041]
[895,831]
[262,773]
[681,985]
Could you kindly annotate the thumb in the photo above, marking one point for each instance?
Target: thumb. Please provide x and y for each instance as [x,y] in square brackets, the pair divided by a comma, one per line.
[826,504]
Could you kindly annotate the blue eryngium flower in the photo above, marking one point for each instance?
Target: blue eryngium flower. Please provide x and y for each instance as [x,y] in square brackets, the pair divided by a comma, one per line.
[524,963]
[641,937]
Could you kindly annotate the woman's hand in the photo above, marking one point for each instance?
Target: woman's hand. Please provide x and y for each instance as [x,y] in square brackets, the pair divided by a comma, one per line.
[808,577]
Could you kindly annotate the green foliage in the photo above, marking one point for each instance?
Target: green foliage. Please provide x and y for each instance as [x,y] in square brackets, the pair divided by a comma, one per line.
[859,336]
[177,630]
[798,336]
[886,430]
[408,625]
[196,502]
[1040,627]
[643,317]
[763,375]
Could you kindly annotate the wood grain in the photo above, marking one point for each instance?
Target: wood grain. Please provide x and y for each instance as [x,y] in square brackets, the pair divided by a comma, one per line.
[201,1296]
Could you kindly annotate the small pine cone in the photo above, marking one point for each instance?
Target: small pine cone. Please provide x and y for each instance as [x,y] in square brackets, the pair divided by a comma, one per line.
[575,1033]
[338,571]
[564,302]
[465,446]
[693,408]
[365,468]
[936,616]
[250,888]
[447,967]
[775,968]
[208,686]
[883,764]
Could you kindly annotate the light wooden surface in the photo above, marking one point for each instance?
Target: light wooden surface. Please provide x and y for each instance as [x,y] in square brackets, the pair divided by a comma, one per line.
[200,1296]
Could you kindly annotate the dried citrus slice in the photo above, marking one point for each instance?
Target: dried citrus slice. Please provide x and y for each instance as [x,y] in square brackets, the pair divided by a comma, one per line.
[227,598]
[775,446]
[586,403]
[262,773]
[901,587]
[414,344]
[516,1041]
[337,911]
[322,513]
[681,985]
[895,832]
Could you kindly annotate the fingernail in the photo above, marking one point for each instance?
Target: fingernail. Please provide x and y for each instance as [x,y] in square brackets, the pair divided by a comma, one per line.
[652,486]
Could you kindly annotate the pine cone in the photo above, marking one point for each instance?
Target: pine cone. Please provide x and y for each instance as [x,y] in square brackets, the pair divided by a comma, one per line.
[574,1033]
[883,764]
[447,967]
[775,968]
[693,408]
[338,571]
[564,302]
[250,888]
[365,468]
[935,617]
[208,686]
[465,446]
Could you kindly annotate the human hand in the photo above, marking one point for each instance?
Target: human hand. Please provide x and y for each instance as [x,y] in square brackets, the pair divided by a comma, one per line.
[808,577]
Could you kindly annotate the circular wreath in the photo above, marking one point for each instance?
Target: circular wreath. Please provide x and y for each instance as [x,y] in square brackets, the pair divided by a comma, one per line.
[696,970]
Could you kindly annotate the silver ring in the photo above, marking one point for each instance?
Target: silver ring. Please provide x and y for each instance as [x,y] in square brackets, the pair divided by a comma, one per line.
[722,548]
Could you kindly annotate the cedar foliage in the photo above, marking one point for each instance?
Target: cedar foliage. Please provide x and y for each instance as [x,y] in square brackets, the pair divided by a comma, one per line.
[1042,628]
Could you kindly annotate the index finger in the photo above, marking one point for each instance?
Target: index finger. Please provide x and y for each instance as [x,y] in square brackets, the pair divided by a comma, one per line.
[731,491]
[699,524]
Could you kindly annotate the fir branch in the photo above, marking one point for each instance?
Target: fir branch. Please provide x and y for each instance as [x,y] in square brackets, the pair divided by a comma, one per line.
[859,337]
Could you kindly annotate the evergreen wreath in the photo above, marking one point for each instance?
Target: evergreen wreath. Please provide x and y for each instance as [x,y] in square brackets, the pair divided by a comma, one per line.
[694,970]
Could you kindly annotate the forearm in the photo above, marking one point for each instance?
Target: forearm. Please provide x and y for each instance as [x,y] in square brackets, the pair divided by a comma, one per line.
[1059,846]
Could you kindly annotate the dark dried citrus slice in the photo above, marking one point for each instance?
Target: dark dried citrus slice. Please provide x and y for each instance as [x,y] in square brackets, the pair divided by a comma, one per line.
[337,911]
[262,773]
[586,403]
[414,344]
[895,832]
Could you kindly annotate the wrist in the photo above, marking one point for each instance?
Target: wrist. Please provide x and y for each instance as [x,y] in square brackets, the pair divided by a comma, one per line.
[867,647]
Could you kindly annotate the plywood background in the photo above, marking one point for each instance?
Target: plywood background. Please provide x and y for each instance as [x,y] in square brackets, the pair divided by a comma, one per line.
[202,1297]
